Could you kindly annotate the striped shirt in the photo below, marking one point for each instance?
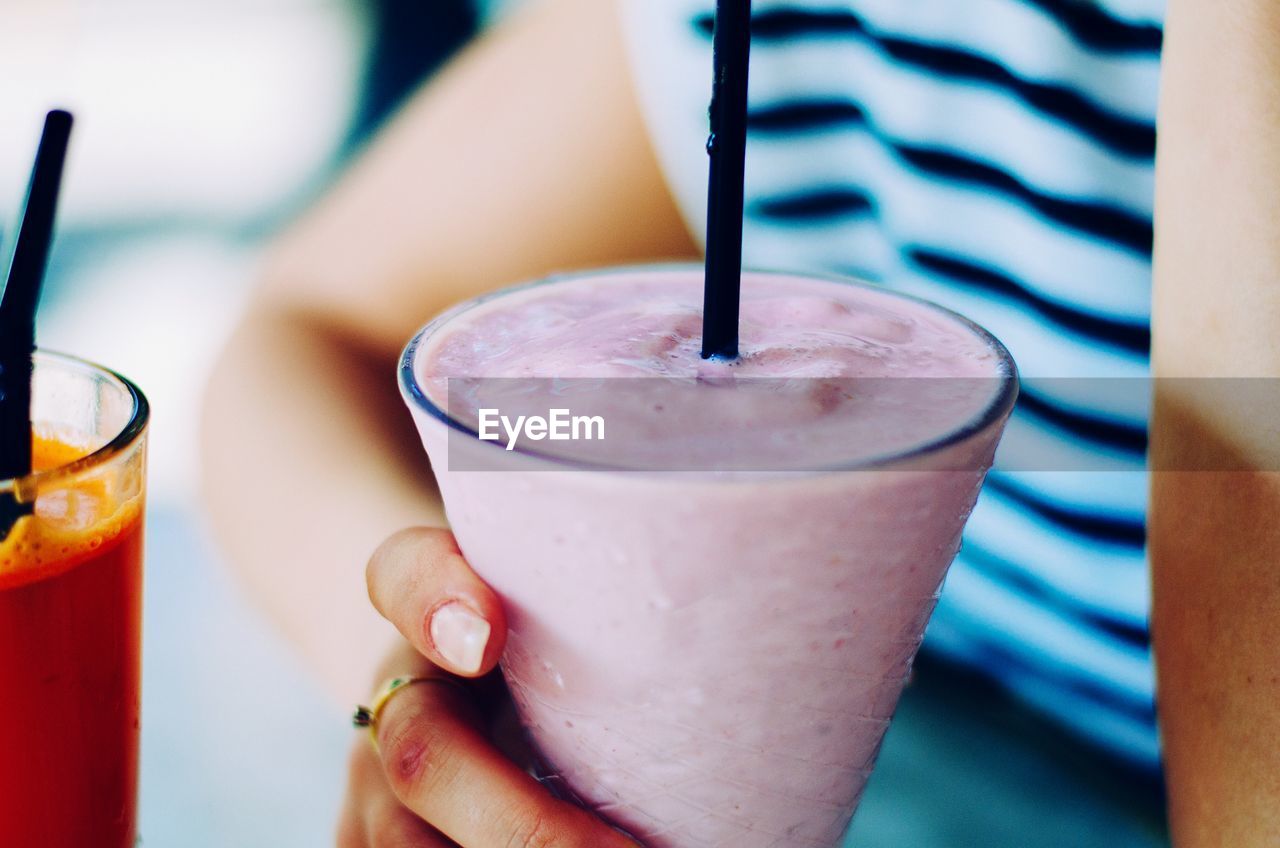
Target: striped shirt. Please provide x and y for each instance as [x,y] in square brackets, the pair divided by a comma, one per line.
[994,156]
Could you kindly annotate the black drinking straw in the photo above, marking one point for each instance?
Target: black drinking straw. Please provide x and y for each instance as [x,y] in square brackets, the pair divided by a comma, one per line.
[727,147]
[18,309]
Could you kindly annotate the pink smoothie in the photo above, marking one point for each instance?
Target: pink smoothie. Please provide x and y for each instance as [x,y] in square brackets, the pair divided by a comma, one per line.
[711,658]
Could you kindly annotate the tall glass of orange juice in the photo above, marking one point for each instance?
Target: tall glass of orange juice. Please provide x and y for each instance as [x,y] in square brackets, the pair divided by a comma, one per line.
[70,614]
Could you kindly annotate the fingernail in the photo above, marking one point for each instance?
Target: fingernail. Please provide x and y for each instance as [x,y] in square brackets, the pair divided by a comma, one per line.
[460,636]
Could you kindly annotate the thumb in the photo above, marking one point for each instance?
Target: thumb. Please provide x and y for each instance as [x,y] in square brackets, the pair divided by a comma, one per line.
[419,581]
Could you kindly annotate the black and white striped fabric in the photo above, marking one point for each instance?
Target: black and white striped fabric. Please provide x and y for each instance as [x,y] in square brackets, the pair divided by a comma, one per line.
[995,156]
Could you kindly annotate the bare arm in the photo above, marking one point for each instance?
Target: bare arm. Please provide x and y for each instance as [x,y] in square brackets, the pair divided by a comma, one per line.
[526,156]
[1215,534]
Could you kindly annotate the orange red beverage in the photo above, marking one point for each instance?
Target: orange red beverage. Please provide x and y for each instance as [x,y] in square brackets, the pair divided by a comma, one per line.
[70,619]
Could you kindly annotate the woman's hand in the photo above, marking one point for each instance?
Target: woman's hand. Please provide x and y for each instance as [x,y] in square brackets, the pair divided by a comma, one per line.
[437,778]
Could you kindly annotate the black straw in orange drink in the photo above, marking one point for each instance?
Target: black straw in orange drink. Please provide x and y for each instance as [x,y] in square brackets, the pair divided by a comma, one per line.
[71,492]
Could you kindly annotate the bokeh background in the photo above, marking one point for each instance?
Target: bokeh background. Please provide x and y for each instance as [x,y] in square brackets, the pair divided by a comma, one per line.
[204,126]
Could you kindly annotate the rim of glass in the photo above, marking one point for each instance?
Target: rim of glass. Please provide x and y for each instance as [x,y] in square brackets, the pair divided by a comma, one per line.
[118,444]
[1001,402]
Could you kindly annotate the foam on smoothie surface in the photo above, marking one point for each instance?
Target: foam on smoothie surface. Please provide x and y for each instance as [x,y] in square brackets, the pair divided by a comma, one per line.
[71,522]
[802,337]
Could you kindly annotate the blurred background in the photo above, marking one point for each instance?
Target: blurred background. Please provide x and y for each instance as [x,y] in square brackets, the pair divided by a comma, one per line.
[203,128]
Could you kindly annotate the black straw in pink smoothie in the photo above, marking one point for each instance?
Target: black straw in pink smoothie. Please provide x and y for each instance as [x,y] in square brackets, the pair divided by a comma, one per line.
[727,147]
